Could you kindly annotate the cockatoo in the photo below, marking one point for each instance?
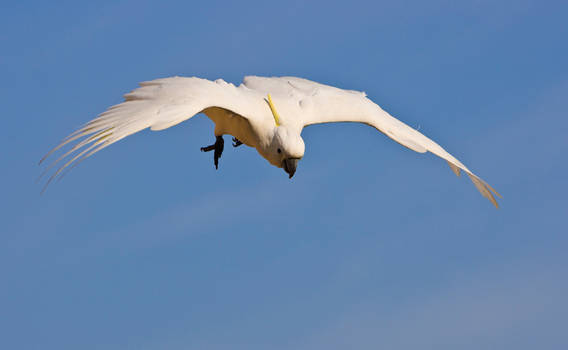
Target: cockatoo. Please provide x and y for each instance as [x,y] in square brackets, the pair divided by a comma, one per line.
[267,113]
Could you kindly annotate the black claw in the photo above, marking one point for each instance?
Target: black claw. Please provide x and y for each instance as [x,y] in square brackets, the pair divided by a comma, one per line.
[218,147]
[208,148]
[236,142]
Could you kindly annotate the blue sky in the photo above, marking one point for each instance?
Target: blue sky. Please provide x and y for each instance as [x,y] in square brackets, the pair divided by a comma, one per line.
[146,246]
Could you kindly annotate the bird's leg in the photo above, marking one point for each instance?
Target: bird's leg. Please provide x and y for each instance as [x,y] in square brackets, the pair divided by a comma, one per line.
[218,147]
[236,142]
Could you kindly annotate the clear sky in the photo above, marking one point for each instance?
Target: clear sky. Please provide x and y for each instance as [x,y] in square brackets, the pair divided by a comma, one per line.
[369,246]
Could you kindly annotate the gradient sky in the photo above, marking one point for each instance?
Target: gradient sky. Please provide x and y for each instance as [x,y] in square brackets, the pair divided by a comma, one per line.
[370,246]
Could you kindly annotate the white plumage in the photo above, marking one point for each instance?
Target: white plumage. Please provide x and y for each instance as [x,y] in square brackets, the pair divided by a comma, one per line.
[245,113]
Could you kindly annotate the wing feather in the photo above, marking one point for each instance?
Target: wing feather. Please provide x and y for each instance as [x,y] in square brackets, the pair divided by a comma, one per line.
[157,104]
[326,104]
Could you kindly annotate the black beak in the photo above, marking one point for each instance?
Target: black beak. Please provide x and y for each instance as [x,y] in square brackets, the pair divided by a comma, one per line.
[290,165]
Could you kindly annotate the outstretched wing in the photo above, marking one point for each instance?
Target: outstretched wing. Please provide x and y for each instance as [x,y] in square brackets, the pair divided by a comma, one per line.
[326,104]
[156,104]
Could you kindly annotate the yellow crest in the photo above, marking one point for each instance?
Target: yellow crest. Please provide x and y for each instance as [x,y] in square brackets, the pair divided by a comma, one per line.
[273,109]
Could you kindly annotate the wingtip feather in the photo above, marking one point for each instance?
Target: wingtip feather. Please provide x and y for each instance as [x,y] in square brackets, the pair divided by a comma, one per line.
[454,168]
[484,189]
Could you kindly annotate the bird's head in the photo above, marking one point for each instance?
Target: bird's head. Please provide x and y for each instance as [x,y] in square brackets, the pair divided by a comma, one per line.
[286,149]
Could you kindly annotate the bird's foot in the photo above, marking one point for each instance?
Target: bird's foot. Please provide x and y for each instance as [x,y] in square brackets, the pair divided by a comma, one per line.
[236,142]
[218,147]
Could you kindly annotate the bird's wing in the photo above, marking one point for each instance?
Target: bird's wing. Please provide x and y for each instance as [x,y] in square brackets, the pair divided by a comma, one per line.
[156,104]
[326,104]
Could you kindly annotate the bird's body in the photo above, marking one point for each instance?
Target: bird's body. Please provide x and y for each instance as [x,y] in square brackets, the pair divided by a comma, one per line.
[265,113]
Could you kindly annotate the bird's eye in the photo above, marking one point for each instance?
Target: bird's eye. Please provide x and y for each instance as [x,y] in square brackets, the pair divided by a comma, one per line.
[279,150]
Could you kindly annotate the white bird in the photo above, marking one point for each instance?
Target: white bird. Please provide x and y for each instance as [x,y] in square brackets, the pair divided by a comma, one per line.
[265,113]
